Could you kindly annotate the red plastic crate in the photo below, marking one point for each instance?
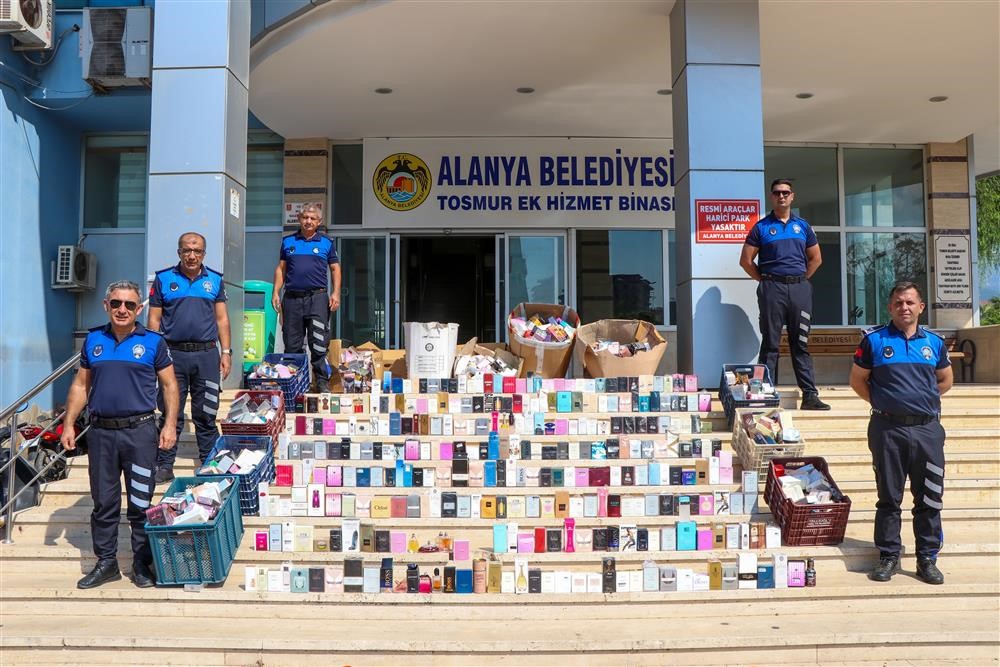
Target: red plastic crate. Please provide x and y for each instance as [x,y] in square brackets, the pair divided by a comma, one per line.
[273,427]
[806,525]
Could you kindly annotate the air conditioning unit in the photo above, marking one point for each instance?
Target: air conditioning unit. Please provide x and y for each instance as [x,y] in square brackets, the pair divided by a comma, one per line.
[116,46]
[74,269]
[28,22]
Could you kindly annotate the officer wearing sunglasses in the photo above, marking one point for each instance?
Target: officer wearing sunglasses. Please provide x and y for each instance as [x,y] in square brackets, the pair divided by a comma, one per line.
[119,367]
[787,254]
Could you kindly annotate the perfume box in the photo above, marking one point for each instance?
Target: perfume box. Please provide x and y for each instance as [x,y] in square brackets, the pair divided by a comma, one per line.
[796,573]
[747,569]
[354,575]
[780,570]
[687,536]
[534,580]
[668,578]
[730,577]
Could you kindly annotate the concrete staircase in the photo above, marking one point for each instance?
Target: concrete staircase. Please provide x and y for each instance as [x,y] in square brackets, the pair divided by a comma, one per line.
[845,620]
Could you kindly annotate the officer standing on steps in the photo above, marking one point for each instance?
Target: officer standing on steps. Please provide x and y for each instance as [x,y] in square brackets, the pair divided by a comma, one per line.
[305,308]
[119,366]
[787,255]
[187,302]
[902,369]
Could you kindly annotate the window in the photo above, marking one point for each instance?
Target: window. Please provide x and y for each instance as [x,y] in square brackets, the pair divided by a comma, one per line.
[620,275]
[346,166]
[814,174]
[115,174]
[882,191]
[265,180]
[876,262]
[884,187]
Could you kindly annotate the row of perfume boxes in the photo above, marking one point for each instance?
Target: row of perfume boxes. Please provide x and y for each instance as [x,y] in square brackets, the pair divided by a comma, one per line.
[517,403]
[356,576]
[316,501]
[352,536]
[496,449]
[489,383]
[504,424]
[462,473]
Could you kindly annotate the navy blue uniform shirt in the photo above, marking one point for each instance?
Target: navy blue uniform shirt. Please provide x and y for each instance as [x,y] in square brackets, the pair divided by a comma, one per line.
[188,305]
[903,377]
[307,261]
[781,245]
[123,375]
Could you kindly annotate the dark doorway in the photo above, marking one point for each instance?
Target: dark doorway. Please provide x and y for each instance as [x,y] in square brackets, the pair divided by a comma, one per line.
[450,279]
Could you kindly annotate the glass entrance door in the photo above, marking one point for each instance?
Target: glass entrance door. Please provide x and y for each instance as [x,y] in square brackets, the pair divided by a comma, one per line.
[535,269]
[364,289]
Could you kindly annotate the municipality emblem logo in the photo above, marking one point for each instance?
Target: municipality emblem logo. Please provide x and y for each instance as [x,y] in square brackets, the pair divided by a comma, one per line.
[207,285]
[927,352]
[796,229]
[888,352]
[138,350]
[174,287]
[773,231]
[98,350]
[401,182]
[315,251]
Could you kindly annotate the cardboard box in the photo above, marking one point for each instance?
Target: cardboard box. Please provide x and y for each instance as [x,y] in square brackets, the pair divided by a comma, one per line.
[498,350]
[605,364]
[393,361]
[431,347]
[548,359]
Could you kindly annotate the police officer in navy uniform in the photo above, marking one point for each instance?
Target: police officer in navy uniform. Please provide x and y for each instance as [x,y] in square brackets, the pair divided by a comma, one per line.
[787,255]
[187,302]
[305,308]
[119,366]
[902,369]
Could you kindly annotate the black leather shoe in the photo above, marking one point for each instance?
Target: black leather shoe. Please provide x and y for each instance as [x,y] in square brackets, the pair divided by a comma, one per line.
[103,572]
[928,572]
[812,402]
[164,475]
[888,566]
[142,576]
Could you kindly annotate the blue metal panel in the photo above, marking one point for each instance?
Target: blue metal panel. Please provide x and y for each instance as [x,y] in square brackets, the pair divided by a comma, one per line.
[39,196]
[188,121]
[121,256]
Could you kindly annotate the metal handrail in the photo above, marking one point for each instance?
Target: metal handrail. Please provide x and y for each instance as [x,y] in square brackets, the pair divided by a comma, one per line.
[41,473]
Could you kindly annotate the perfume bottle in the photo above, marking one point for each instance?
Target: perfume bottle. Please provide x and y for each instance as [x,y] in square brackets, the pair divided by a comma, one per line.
[810,572]
[569,542]
[522,579]
[436,580]
[413,546]
[440,542]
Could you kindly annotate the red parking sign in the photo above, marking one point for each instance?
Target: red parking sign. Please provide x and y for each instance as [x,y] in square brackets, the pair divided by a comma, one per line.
[725,220]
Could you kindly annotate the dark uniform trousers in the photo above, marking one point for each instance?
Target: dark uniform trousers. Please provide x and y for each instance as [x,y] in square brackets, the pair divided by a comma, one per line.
[197,374]
[786,305]
[305,321]
[916,452]
[113,453]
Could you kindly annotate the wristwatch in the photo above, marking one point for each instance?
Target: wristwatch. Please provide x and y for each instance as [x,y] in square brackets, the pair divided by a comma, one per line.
[228,351]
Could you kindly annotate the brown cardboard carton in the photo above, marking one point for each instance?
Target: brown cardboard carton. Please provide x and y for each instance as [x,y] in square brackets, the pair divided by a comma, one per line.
[549,360]
[499,350]
[605,364]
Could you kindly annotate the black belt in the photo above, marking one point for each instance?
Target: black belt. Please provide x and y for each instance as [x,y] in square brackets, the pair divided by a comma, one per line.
[296,294]
[191,346]
[905,420]
[118,423]
[783,279]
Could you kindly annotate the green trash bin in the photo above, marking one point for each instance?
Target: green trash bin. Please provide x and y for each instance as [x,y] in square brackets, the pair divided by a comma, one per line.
[259,324]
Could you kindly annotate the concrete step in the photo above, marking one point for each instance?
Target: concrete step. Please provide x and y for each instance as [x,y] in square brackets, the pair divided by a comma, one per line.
[479,639]
[72,526]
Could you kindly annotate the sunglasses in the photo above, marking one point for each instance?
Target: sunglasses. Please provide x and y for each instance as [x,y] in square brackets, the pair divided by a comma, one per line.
[781,193]
[130,306]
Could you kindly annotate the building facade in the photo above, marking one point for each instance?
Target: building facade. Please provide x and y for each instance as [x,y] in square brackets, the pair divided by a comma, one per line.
[610,157]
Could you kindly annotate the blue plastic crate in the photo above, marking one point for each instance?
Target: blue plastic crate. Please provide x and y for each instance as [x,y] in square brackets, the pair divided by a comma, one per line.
[249,496]
[198,553]
[291,387]
[730,404]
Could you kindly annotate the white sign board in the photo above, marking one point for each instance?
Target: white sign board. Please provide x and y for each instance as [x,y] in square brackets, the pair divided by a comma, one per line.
[517,182]
[953,268]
